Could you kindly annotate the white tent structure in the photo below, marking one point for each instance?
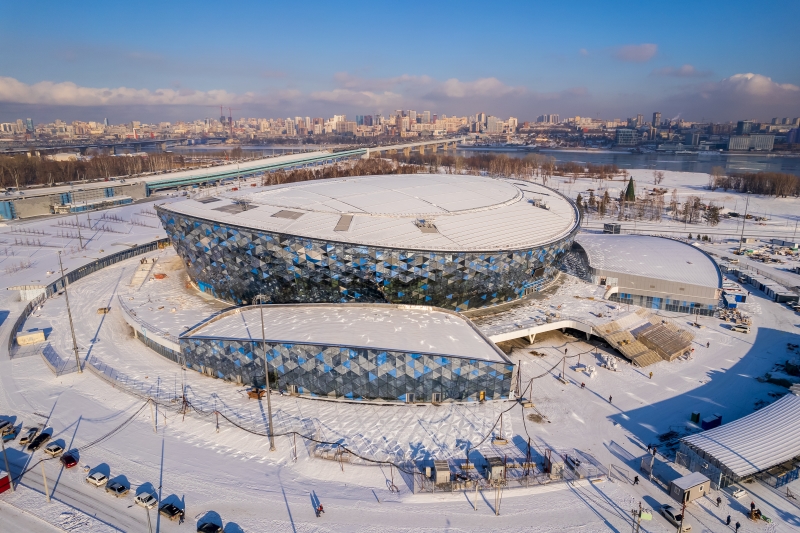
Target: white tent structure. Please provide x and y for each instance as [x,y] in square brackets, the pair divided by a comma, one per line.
[753,444]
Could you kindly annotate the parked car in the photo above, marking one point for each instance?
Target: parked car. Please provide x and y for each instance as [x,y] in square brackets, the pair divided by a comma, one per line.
[5,427]
[11,434]
[740,328]
[738,493]
[170,511]
[68,460]
[29,435]
[674,517]
[146,499]
[208,527]
[38,442]
[54,450]
[117,489]
[97,479]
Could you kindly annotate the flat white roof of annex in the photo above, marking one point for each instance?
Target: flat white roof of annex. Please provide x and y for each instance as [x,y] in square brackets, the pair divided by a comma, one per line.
[407,328]
[469,213]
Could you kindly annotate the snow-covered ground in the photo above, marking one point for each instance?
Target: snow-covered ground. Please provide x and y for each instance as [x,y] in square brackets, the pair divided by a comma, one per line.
[230,473]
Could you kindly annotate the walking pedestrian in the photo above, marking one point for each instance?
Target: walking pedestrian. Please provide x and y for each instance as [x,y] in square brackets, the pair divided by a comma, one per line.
[565,351]
[752,506]
[583,385]
[728,521]
[651,375]
[320,510]
[738,525]
[609,399]
[719,501]
[635,480]
[708,345]
[648,448]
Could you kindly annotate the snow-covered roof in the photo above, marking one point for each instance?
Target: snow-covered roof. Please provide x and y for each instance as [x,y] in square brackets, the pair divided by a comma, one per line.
[437,212]
[655,257]
[404,328]
[759,441]
[689,481]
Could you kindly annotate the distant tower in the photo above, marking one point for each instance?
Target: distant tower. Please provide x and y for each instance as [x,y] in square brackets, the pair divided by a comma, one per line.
[656,119]
[105,122]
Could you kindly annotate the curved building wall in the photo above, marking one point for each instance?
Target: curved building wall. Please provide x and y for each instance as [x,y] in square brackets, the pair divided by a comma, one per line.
[350,372]
[236,263]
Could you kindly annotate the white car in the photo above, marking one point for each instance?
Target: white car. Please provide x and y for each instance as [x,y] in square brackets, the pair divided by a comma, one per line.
[741,328]
[97,479]
[739,493]
[146,499]
[674,517]
[54,450]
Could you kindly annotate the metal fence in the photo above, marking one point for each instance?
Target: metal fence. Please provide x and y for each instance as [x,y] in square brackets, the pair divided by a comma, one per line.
[79,273]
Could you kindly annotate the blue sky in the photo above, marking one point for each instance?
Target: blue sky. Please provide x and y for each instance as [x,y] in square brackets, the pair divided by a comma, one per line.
[173,60]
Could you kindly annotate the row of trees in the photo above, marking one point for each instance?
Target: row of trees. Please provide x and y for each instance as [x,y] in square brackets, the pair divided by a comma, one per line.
[25,171]
[650,208]
[766,183]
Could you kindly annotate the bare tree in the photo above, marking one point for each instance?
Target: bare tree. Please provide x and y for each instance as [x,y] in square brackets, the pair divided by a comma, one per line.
[658,177]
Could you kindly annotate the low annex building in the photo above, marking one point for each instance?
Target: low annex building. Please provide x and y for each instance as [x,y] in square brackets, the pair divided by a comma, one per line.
[765,443]
[352,351]
[653,272]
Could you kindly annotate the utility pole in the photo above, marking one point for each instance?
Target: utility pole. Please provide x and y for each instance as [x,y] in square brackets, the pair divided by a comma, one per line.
[78,223]
[741,237]
[44,477]
[69,314]
[5,458]
[260,299]
[683,512]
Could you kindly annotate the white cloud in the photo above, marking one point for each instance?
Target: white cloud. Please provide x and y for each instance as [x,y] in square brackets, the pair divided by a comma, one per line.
[636,53]
[684,71]
[755,85]
[455,88]
[350,97]
[68,93]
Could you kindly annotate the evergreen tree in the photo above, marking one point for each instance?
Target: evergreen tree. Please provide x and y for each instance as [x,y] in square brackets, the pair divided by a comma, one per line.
[630,192]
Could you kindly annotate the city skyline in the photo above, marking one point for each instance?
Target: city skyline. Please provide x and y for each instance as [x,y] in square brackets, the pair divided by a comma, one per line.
[323,59]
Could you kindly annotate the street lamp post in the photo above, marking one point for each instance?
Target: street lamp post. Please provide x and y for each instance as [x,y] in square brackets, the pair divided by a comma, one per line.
[260,300]
[69,314]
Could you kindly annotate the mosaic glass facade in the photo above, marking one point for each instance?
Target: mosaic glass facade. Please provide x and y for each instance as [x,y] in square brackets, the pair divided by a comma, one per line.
[236,263]
[348,372]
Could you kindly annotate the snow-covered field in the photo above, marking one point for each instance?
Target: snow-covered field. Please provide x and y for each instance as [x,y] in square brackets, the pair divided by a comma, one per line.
[229,473]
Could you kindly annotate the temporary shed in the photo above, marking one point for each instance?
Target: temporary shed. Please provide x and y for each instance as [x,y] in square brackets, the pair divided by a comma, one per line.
[688,488]
[441,472]
[495,468]
[747,446]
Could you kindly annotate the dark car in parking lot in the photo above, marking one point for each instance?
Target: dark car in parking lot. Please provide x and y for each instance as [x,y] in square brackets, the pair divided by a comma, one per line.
[170,511]
[68,460]
[209,527]
[38,442]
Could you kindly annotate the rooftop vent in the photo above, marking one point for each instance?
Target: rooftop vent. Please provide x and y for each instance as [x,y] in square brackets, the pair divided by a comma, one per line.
[292,215]
[234,208]
[539,202]
[426,226]
[344,223]
[208,200]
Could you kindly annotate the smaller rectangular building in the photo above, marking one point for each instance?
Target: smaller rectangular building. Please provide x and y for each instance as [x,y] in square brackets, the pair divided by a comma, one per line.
[688,488]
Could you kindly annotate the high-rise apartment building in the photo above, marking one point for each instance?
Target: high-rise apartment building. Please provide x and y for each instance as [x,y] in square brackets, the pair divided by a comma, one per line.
[627,137]
[743,127]
[426,117]
[656,119]
[412,116]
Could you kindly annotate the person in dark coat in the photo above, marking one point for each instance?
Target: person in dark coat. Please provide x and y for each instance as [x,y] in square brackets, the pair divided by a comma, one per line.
[728,521]
[719,501]
[635,480]
[738,525]
[752,506]
[609,399]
